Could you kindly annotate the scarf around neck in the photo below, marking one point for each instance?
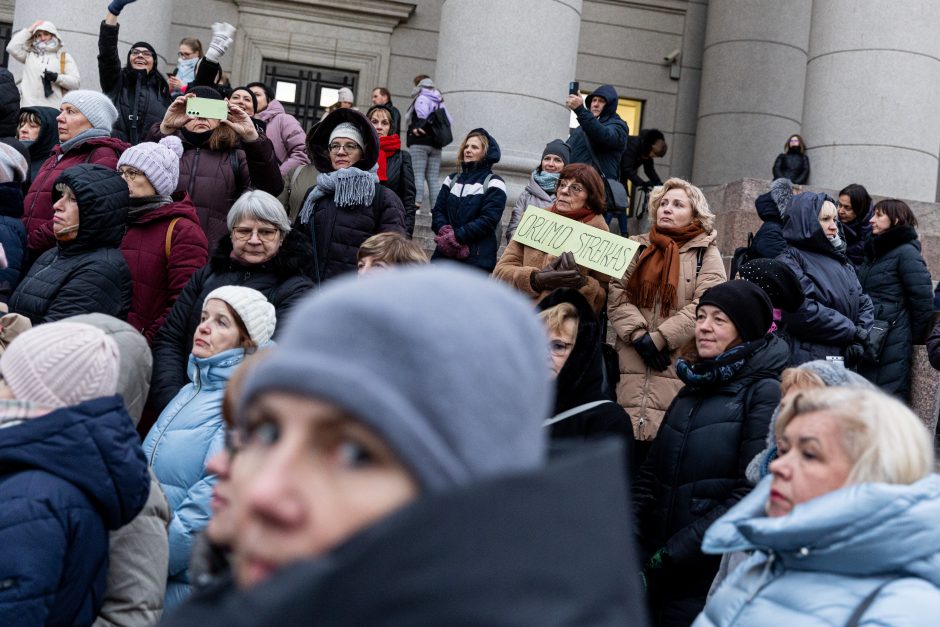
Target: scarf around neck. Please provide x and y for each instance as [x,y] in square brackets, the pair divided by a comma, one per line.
[144,205]
[81,138]
[548,181]
[584,214]
[388,146]
[719,369]
[657,270]
[349,187]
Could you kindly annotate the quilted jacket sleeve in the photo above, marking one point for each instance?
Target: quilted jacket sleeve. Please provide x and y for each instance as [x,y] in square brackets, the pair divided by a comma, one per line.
[96,286]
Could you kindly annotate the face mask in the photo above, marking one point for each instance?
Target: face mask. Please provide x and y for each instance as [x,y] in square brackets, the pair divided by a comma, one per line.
[186,70]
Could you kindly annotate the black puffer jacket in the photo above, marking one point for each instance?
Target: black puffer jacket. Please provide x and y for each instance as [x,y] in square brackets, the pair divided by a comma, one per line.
[12,237]
[856,233]
[896,278]
[695,472]
[9,104]
[141,97]
[88,274]
[793,166]
[40,149]
[401,180]
[283,280]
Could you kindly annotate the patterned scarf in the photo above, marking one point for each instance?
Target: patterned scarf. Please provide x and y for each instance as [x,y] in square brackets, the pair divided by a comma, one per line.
[548,181]
[657,271]
[718,370]
[388,146]
[349,187]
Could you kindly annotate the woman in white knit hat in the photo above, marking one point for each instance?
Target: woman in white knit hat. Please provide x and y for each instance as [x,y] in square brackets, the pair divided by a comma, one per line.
[164,244]
[235,320]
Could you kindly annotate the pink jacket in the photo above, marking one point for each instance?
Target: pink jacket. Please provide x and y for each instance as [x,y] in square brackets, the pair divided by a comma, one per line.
[287,135]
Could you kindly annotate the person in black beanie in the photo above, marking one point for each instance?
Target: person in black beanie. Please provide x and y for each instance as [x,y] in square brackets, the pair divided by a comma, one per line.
[540,190]
[695,470]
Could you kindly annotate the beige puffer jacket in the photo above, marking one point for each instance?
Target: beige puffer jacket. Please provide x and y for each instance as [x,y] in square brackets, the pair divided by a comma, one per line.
[643,392]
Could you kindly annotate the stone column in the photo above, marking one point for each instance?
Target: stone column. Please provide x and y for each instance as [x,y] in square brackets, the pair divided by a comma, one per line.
[872,87]
[506,66]
[78,21]
[751,100]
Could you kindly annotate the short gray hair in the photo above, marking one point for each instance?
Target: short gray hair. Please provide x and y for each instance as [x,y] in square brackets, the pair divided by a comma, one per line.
[259,205]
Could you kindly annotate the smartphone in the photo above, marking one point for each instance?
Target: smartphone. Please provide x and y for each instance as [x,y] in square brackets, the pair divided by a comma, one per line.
[207,108]
[574,88]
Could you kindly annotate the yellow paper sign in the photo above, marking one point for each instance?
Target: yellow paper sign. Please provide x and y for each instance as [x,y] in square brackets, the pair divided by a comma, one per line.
[592,248]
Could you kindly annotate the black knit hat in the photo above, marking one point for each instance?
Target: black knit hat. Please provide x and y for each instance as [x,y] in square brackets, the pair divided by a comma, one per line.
[559,148]
[144,44]
[202,91]
[747,305]
[777,280]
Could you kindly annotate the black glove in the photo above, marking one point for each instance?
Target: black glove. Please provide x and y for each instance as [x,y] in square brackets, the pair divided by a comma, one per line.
[853,354]
[861,335]
[653,357]
[48,78]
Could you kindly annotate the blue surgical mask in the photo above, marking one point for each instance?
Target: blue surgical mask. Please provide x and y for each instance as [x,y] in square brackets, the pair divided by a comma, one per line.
[186,70]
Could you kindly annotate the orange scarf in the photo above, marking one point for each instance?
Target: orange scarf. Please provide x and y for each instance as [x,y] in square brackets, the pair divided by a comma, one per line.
[657,271]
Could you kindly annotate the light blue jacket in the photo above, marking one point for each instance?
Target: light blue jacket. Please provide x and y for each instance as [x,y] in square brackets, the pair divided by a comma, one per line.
[188,432]
[818,563]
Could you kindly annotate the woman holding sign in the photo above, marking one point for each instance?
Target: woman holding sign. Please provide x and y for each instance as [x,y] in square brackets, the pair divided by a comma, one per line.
[652,308]
[579,196]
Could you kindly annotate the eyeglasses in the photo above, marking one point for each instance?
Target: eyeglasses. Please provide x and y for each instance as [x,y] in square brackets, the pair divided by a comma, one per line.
[574,188]
[559,348]
[141,52]
[243,233]
[129,174]
[186,55]
[334,148]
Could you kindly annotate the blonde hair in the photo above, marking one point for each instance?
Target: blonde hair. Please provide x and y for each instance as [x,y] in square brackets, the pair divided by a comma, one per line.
[827,209]
[700,210]
[799,379]
[463,145]
[555,317]
[393,249]
[884,440]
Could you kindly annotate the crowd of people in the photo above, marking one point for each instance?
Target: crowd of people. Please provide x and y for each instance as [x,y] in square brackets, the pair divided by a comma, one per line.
[236,390]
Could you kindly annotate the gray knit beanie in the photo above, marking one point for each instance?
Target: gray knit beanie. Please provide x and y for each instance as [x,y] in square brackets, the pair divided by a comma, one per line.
[559,148]
[449,368]
[160,163]
[95,106]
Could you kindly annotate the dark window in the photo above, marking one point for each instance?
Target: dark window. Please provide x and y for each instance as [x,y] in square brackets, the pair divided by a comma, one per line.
[6,32]
[303,90]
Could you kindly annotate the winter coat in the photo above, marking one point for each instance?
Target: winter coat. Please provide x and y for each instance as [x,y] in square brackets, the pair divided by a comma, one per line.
[502,536]
[283,280]
[189,431]
[519,262]
[286,135]
[297,182]
[855,234]
[607,135]
[834,303]
[425,103]
[37,208]
[695,472]
[12,237]
[88,274]
[533,195]
[474,213]
[35,63]
[896,278]
[401,180]
[68,478]
[141,98]
[793,166]
[818,563]
[214,179]
[160,272]
[633,159]
[41,148]
[9,104]
[769,241]
[642,391]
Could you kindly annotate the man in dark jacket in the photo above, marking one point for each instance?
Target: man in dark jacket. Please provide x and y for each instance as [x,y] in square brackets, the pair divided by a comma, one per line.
[640,152]
[601,132]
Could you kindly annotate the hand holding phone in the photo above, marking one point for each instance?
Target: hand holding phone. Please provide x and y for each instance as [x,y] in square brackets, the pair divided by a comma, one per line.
[207,108]
[574,88]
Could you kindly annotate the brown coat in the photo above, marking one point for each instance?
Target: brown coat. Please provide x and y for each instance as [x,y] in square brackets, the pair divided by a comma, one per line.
[643,392]
[519,262]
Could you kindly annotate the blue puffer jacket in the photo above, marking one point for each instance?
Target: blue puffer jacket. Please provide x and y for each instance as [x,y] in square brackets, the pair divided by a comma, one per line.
[817,564]
[12,236]
[606,133]
[835,304]
[188,432]
[68,478]
[473,212]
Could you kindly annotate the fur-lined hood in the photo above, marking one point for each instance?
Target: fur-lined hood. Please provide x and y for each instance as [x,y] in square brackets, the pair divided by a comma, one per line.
[295,257]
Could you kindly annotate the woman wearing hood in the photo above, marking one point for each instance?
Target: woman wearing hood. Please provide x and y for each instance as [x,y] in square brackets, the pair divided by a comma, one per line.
[348,204]
[426,99]
[470,205]
[793,163]
[283,129]
[85,272]
[49,71]
[540,190]
[396,171]
[38,132]
[855,210]
[836,314]
[138,90]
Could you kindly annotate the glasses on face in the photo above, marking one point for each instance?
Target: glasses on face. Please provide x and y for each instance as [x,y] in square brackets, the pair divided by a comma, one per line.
[129,174]
[141,52]
[185,55]
[574,188]
[347,148]
[559,348]
[265,234]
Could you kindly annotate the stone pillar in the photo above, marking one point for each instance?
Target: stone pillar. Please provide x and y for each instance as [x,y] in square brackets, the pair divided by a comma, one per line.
[78,21]
[506,66]
[751,100]
[872,84]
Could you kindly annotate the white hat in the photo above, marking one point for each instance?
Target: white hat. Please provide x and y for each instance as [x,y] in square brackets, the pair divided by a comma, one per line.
[256,313]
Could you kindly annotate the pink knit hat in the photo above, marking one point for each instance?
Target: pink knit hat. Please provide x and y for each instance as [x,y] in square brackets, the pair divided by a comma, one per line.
[59,364]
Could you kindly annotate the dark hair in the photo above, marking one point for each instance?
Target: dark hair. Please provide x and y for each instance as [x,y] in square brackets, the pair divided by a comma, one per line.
[858,198]
[380,107]
[786,144]
[419,78]
[588,177]
[384,91]
[268,91]
[28,116]
[897,211]
[649,136]
[254,98]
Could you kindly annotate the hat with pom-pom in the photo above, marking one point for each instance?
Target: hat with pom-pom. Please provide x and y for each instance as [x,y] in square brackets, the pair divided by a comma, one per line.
[160,163]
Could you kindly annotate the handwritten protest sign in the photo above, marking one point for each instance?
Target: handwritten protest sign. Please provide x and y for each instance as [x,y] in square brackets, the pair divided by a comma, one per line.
[592,248]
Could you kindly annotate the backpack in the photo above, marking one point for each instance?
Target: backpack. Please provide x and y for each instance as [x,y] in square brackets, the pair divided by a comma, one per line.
[437,126]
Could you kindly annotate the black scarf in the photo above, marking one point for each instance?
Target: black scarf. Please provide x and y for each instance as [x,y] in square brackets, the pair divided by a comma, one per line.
[881,245]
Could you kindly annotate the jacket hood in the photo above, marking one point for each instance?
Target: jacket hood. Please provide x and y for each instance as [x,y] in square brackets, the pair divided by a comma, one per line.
[581,378]
[493,153]
[319,138]
[295,257]
[432,94]
[93,446]
[864,530]
[608,93]
[214,372]
[274,109]
[10,98]
[102,206]
[47,26]
[506,539]
[48,133]
[11,199]
[801,228]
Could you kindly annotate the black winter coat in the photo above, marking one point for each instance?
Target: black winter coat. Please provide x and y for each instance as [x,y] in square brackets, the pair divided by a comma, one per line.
[12,237]
[141,97]
[605,135]
[896,278]
[88,274]
[9,104]
[283,280]
[633,159]
[695,472]
[401,180]
[40,149]
[855,234]
[793,166]
[768,241]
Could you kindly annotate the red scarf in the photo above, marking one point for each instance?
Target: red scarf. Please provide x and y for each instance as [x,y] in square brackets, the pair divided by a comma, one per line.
[584,214]
[388,146]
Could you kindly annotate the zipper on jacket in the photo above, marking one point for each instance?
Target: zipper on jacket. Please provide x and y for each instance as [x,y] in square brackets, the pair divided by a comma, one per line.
[685,439]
